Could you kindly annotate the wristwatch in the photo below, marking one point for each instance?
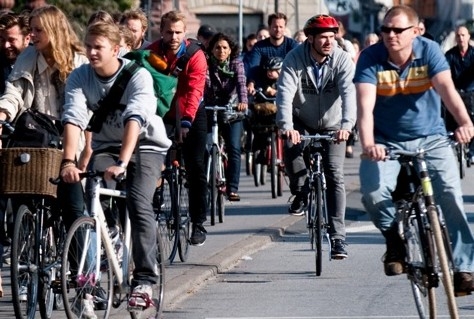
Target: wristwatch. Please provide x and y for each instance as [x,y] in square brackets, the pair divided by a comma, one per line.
[121,163]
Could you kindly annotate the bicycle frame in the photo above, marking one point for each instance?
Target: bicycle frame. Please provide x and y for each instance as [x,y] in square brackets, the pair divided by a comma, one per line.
[420,220]
[102,234]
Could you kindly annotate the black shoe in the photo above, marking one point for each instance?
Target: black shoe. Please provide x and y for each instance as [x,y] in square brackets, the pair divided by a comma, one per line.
[100,299]
[394,258]
[157,199]
[337,249]
[299,205]
[463,283]
[198,235]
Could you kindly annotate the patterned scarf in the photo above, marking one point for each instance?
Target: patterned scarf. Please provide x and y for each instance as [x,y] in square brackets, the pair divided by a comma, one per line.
[223,67]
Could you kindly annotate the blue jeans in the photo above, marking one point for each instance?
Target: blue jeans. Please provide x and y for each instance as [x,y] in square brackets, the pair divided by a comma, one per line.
[143,171]
[232,132]
[378,180]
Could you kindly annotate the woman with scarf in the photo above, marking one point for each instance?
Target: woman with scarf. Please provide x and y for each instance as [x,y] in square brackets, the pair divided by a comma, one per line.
[225,81]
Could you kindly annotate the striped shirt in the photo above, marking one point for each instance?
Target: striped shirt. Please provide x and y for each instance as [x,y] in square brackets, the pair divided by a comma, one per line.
[407,106]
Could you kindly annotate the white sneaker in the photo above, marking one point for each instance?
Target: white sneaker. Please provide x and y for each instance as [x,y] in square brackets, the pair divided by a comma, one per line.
[472,160]
[23,293]
[141,297]
[86,308]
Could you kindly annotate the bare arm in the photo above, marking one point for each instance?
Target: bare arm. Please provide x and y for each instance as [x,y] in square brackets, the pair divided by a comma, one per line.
[444,85]
[366,94]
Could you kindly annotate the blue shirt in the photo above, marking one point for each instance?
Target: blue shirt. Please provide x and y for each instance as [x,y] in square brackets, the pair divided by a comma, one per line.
[407,107]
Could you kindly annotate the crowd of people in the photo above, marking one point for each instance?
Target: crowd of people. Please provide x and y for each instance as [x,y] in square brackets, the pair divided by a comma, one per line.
[322,82]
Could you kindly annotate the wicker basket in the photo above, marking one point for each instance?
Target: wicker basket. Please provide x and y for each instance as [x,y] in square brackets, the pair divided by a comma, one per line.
[27,170]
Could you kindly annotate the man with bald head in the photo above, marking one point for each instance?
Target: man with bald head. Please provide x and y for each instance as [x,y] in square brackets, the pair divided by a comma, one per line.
[461,62]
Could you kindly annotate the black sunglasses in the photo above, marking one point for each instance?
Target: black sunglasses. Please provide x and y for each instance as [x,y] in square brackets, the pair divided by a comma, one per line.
[385,29]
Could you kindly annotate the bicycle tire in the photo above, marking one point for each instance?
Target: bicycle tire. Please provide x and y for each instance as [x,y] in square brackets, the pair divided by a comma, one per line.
[418,269]
[318,224]
[81,238]
[23,259]
[248,163]
[48,257]
[461,160]
[273,165]
[256,169]
[310,216]
[444,263]
[166,226]
[221,191]
[213,183]
[159,293]
[185,221]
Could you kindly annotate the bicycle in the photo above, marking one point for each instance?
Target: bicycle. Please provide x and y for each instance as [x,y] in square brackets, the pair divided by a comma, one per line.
[173,208]
[267,146]
[99,268]
[424,232]
[317,219]
[462,154]
[216,165]
[38,232]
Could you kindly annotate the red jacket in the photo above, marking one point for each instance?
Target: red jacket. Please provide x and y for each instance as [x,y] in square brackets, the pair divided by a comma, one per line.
[191,82]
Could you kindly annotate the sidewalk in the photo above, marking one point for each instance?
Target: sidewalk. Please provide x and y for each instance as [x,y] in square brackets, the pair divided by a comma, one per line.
[249,226]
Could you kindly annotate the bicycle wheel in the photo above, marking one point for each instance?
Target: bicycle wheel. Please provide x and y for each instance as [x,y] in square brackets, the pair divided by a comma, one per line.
[441,243]
[319,224]
[460,153]
[221,186]
[213,183]
[23,268]
[166,226]
[256,168]
[419,269]
[273,165]
[310,216]
[49,272]
[159,293]
[79,289]
[185,220]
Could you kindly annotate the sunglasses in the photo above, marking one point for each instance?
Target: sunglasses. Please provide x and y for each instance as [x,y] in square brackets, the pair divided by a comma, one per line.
[387,30]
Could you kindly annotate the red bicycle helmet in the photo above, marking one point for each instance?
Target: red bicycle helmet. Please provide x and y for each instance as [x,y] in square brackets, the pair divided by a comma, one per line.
[320,23]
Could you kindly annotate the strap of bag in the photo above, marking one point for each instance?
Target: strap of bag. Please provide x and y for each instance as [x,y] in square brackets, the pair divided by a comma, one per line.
[112,100]
[193,47]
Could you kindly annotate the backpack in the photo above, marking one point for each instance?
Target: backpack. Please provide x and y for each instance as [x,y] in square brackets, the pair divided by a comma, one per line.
[35,129]
[164,81]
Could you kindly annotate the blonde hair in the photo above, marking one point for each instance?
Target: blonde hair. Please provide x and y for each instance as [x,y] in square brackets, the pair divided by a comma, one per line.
[110,31]
[136,14]
[64,43]
[173,17]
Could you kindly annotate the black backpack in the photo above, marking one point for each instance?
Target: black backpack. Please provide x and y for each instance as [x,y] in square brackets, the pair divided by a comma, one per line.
[35,129]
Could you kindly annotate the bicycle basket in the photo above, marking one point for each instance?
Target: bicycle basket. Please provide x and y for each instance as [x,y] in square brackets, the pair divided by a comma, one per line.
[27,170]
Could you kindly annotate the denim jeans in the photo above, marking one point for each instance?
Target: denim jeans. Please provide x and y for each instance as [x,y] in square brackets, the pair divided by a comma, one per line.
[378,180]
[333,162]
[232,132]
[143,171]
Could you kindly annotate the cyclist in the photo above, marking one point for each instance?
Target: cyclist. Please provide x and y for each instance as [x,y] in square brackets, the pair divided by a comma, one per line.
[399,82]
[225,80]
[189,112]
[461,61]
[276,45]
[261,121]
[316,95]
[132,140]
[137,21]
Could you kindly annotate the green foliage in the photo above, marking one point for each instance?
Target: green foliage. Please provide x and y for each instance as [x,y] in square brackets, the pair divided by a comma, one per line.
[79,11]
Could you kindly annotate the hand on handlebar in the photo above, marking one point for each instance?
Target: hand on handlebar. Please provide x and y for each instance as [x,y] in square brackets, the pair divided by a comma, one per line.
[70,174]
[342,135]
[464,134]
[374,153]
[292,136]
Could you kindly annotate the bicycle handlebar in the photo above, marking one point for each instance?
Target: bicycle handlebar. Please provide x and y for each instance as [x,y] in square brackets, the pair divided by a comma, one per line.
[259,92]
[318,137]
[89,174]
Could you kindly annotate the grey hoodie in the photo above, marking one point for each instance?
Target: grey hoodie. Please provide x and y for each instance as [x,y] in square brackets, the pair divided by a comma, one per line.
[332,108]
